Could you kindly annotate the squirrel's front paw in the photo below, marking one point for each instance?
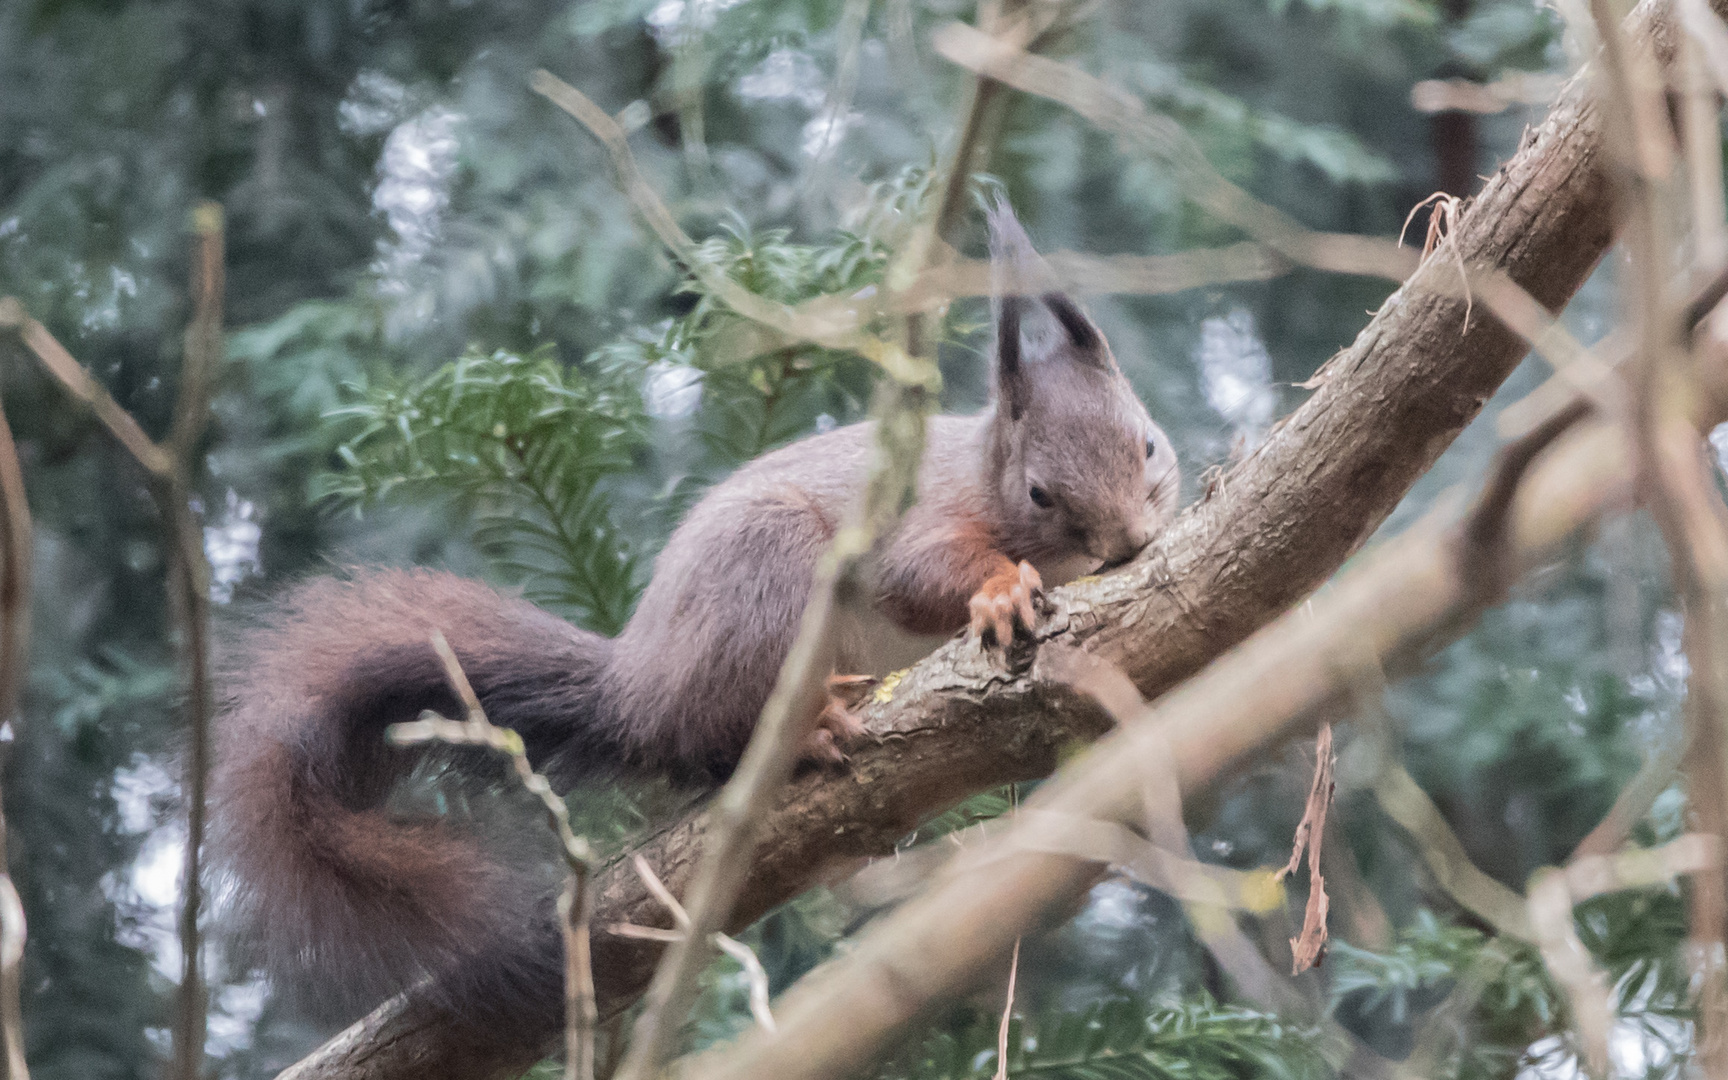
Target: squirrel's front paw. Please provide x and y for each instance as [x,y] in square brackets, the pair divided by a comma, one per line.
[838,726]
[1003,599]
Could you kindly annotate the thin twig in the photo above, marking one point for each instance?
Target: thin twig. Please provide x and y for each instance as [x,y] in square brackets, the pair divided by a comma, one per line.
[1707,31]
[1407,804]
[1140,275]
[1585,984]
[80,385]
[1209,894]
[848,44]
[1007,1016]
[1682,494]
[1112,109]
[575,913]
[797,697]
[680,917]
[1701,145]
[1553,893]
[1397,792]
[12,933]
[189,599]
[1634,801]
[15,562]
[689,73]
[576,902]
[1160,136]
[754,973]
[1113,844]
[643,933]
[1404,801]
[169,469]
[836,330]
[835,321]
[795,702]
[1483,557]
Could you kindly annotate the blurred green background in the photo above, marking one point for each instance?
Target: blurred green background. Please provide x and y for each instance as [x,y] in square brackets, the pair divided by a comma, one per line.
[399,202]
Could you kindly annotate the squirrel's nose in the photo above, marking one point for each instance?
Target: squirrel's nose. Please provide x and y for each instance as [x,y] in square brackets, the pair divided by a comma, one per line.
[1125,544]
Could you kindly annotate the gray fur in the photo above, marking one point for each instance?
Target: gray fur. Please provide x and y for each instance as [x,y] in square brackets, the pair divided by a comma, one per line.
[303,774]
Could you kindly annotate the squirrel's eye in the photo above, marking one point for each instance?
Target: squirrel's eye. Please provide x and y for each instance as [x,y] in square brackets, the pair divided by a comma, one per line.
[1041,497]
[1150,446]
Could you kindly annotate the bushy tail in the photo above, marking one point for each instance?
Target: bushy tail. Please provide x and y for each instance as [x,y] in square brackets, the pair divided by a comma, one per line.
[328,883]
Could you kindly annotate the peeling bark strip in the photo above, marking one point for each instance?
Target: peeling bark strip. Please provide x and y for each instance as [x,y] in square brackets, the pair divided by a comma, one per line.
[1277,527]
[1307,947]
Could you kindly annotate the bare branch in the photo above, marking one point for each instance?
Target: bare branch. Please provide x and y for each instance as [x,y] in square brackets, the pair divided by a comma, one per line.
[1406,803]
[1552,896]
[1683,497]
[1007,1015]
[1701,144]
[15,561]
[836,329]
[757,976]
[189,599]
[169,469]
[576,903]
[1462,95]
[1116,111]
[1277,526]
[12,932]
[1633,802]
[1143,275]
[80,385]
[1393,604]
[1209,894]
[1397,792]
[1584,983]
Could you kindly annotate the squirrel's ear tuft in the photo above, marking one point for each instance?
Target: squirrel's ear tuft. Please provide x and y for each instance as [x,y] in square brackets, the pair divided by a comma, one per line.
[1082,334]
[1015,271]
[1015,268]
[1011,387]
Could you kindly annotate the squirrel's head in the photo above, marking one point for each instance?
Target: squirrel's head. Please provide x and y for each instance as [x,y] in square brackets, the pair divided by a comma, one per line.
[1077,470]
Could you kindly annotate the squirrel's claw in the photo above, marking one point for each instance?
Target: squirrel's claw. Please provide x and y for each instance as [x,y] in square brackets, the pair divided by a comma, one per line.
[1004,598]
[838,726]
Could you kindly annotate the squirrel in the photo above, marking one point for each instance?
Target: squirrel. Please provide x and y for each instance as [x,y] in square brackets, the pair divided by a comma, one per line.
[1063,473]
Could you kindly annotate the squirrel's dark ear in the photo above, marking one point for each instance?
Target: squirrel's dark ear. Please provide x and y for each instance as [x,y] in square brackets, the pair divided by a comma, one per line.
[1081,333]
[1010,372]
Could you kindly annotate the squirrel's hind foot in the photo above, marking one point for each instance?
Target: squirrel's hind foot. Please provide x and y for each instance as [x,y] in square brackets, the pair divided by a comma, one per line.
[838,726]
[1004,599]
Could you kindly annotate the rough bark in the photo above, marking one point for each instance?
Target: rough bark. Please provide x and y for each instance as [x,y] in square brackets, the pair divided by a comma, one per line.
[1272,530]
[1390,608]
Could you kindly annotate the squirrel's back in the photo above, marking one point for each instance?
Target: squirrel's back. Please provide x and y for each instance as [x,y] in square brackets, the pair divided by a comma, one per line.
[701,653]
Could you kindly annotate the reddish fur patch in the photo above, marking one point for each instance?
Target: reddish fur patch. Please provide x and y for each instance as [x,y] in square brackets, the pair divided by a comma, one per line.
[928,582]
[331,887]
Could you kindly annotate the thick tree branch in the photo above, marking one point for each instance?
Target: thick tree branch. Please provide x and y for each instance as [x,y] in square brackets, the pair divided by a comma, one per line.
[1390,608]
[1275,528]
